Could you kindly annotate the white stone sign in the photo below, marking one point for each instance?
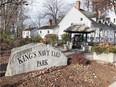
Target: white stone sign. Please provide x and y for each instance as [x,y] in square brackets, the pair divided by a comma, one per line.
[34,56]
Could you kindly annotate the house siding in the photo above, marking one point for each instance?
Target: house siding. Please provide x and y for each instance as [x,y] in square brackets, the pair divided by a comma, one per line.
[43,32]
[34,33]
[74,16]
[26,34]
[113,19]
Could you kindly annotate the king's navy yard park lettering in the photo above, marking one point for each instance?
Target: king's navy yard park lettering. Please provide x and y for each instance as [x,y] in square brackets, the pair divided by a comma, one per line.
[41,53]
[42,63]
[34,56]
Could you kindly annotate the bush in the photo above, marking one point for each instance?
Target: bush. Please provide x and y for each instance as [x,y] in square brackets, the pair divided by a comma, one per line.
[104,48]
[25,41]
[6,39]
[64,38]
[37,38]
[51,39]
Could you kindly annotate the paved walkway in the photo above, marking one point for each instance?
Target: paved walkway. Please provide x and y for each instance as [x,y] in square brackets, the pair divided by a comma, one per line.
[88,55]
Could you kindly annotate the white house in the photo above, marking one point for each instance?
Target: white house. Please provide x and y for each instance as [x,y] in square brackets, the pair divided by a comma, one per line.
[78,16]
[26,33]
[42,31]
[103,32]
[30,32]
[75,16]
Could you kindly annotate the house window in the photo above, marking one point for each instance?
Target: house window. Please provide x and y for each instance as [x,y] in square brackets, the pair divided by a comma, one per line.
[114,20]
[40,32]
[81,19]
[48,32]
[27,33]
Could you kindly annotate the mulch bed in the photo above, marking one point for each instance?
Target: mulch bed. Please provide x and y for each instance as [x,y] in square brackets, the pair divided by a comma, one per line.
[77,74]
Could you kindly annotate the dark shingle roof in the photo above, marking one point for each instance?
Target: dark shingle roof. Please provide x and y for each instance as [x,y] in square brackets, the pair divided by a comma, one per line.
[103,26]
[48,27]
[95,24]
[88,14]
[30,29]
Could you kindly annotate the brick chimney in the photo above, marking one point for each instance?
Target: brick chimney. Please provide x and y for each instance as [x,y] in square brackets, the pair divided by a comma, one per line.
[50,22]
[77,5]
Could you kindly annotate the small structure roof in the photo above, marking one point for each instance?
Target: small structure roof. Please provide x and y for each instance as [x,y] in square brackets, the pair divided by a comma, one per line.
[79,29]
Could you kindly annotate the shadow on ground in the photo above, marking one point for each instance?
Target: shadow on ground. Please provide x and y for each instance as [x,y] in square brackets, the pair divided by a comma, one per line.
[3,69]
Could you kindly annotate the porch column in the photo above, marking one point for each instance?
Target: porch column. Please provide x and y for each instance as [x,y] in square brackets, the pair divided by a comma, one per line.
[69,37]
[86,38]
[100,35]
[114,36]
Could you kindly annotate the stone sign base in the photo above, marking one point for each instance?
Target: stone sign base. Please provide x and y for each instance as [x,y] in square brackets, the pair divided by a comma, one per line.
[34,56]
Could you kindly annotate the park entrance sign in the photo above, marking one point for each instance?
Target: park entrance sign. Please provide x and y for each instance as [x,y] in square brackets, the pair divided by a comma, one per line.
[34,56]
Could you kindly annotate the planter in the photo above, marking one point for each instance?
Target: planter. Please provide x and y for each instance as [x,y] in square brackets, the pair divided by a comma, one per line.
[110,57]
[65,46]
[89,48]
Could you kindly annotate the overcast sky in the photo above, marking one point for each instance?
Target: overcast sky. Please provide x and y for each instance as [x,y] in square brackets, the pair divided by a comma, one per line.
[35,7]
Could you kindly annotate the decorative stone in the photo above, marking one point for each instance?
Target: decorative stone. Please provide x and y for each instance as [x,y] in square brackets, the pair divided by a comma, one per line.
[110,57]
[34,56]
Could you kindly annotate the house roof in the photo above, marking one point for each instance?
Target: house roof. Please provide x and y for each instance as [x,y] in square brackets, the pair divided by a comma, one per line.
[98,25]
[95,24]
[79,29]
[85,29]
[88,14]
[103,26]
[30,29]
[48,27]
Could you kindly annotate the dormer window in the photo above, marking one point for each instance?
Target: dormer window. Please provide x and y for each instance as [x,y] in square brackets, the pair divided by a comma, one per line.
[81,19]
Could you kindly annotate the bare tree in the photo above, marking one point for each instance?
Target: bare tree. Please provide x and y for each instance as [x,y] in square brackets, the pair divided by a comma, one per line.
[11,13]
[88,4]
[5,2]
[53,8]
[114,5]
[40,17]
[103,5]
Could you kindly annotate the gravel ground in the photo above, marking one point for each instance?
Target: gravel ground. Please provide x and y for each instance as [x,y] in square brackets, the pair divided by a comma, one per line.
[74,75]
